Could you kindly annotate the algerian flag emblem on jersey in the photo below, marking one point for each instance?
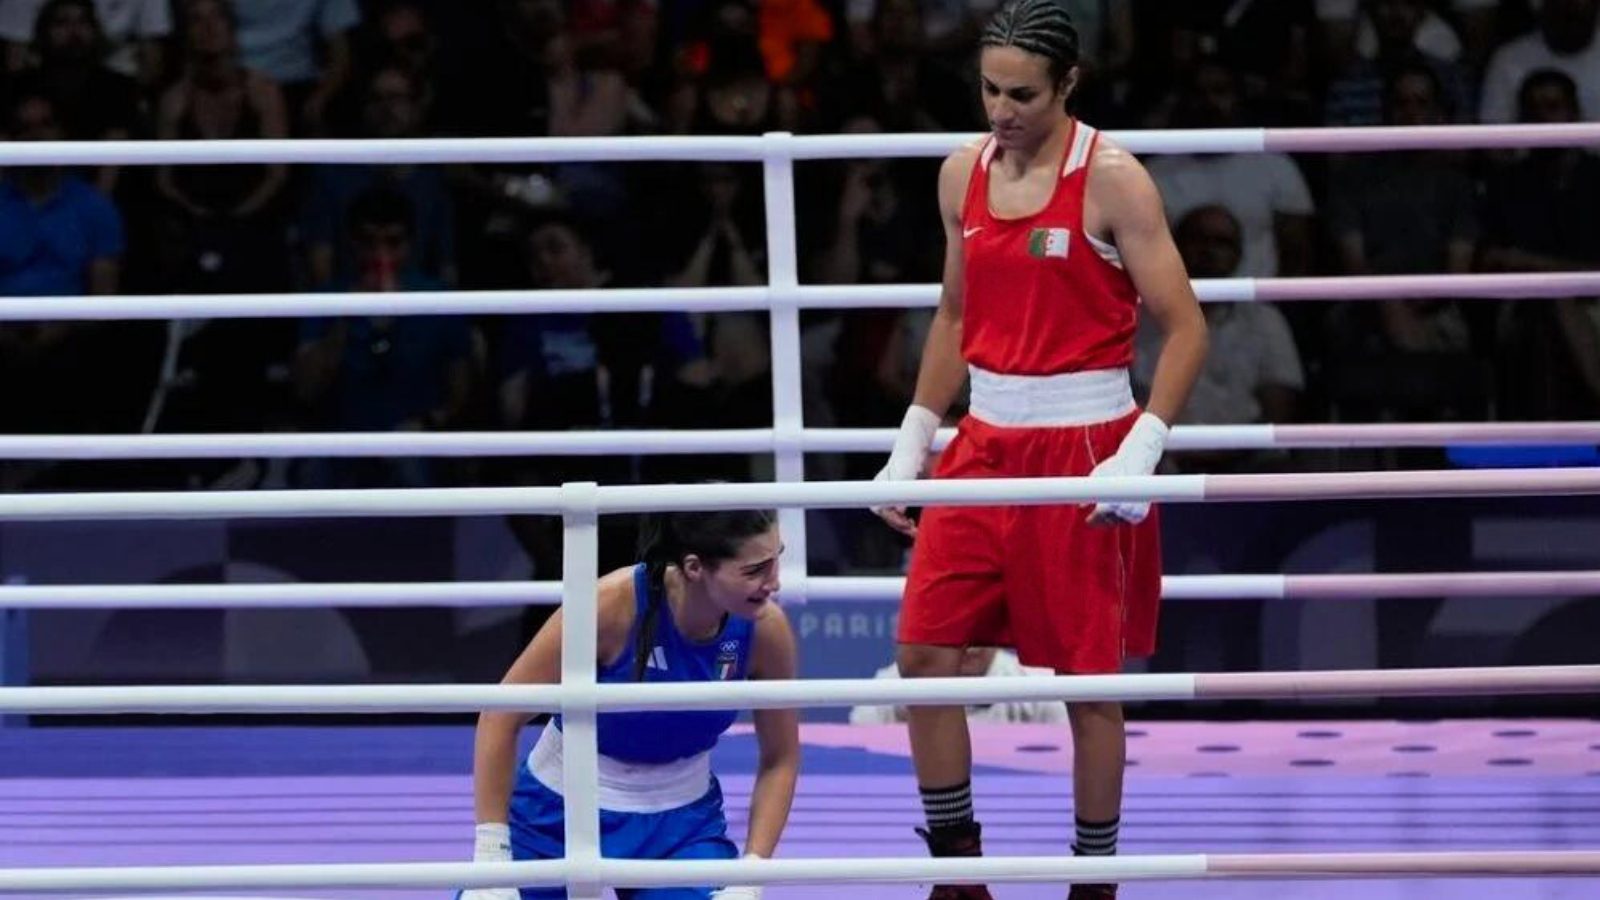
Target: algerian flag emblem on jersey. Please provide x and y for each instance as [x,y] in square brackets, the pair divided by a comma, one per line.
[1043,242]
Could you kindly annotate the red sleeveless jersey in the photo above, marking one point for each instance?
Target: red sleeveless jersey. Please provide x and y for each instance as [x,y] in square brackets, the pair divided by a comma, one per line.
[1041,298]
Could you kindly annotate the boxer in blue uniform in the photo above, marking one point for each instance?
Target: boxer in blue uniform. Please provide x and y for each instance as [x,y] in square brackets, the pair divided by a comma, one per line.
[698,608]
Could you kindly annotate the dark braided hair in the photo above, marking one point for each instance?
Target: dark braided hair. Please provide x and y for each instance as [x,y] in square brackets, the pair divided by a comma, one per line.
[666,538]
[1041,27]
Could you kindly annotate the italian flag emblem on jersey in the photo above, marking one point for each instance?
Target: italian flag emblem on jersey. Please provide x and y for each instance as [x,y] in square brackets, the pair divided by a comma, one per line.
[1043,242]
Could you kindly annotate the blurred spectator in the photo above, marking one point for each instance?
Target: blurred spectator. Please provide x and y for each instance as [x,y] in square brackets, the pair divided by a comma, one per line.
[793,34]
[734,96]
[58,235]
[505,90]
[131,31]
[880,235]
[383,373]
[581,371]
[1538,217]
[304,46]
[1352,29]
[403,36]
[720,239]
[391,110]
[1407,213]
[1265,192]
[1253,373]
[91,101]
[1356,96]
[788,36]
[638,56]
[224,223]
[1564,41]
[1265,44]
[978,662]
[903,86]
[588,101]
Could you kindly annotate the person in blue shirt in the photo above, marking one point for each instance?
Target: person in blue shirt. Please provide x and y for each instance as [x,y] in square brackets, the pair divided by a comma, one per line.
[699,607]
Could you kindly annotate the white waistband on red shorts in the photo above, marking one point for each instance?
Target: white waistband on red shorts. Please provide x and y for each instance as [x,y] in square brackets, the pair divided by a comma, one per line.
[624,786]
[1071,398]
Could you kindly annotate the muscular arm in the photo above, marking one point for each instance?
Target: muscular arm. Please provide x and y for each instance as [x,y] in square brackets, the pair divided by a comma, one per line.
[1129,206]
[778,732]
[494,753]
[943,371]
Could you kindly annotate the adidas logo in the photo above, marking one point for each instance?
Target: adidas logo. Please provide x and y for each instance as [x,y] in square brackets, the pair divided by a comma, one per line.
[658,659]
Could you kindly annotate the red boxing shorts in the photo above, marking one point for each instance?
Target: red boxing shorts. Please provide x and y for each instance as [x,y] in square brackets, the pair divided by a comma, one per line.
[1070,596]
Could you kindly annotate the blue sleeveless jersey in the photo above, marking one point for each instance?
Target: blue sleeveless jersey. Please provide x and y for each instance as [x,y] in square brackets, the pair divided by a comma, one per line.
[664,736]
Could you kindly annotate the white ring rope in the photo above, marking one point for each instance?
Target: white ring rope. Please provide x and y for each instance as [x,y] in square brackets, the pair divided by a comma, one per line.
[647,873]
[792,495]
[747,440]
[795,693]
[884,589]
[726,299]
[612,499]
[774,145]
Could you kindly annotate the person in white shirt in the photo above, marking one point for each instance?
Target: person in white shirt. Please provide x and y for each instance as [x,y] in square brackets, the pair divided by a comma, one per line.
[1564,41]
[991,662]
[1265,192]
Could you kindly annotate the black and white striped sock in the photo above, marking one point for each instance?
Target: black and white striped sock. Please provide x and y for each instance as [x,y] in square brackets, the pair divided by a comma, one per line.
[947,807]
[1096,838]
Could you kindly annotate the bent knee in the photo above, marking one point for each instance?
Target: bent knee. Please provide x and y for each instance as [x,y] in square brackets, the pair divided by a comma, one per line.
[925,661]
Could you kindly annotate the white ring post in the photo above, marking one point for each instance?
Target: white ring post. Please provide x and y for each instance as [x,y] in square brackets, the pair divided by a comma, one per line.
[788,427]
[580,613]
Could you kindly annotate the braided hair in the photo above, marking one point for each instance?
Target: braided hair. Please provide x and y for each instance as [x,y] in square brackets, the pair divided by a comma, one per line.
[665,539]
[1040,27]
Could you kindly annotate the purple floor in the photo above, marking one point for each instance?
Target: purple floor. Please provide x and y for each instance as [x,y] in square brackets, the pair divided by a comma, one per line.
[183,796]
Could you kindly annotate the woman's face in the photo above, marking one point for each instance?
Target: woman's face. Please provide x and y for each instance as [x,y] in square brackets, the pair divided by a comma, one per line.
[743,584]
[1022,102]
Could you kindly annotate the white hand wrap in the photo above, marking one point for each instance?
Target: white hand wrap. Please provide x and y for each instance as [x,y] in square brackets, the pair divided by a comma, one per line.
[1138,454]
[492,844]
[749,892]
[911,446]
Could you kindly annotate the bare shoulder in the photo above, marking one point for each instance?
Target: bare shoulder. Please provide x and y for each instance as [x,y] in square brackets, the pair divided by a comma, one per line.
[773,622]
[1121,188]
[616,602]
[1115,167]
[774,652]
[955,172]
[961,159]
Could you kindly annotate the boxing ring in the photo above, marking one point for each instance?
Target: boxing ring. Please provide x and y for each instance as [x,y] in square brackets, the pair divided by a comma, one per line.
[1213,810]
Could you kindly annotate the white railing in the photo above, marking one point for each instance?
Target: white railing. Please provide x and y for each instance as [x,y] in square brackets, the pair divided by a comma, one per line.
[612,499]
[1515,286]
[691,873]
[748,440]
[877,589]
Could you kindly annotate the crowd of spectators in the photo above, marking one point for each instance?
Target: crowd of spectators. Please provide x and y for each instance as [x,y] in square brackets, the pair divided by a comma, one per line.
[390,69]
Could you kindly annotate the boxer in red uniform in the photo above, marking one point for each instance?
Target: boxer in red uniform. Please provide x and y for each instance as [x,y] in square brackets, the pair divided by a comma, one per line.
[1053,236]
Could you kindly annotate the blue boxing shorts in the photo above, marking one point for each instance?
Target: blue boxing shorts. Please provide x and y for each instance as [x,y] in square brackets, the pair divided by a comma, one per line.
[698,830]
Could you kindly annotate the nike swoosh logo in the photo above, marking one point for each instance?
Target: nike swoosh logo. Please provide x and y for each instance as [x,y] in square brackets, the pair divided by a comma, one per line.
[969,232]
